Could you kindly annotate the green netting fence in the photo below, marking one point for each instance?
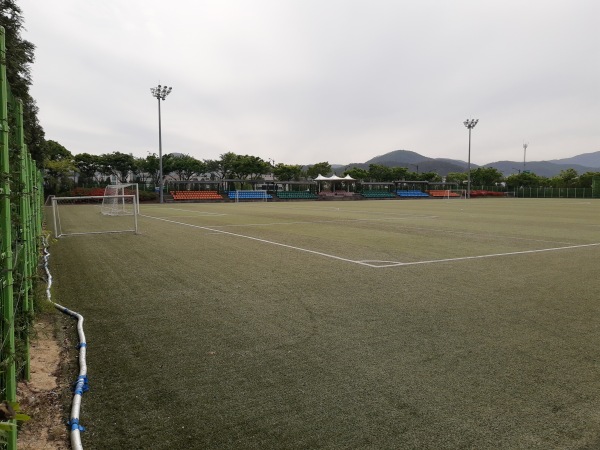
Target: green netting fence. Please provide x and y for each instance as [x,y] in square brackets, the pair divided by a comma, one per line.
[21,201]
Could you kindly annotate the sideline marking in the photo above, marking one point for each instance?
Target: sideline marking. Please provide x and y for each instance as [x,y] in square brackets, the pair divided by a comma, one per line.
[257,239]
[372,263]
[319,221]
[200,213]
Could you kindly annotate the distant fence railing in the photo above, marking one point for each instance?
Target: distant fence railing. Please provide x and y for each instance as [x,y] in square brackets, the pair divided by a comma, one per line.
[544,192]
[21,200]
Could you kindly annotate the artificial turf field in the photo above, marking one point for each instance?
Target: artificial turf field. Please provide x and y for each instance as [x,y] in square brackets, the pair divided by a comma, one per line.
[417,324]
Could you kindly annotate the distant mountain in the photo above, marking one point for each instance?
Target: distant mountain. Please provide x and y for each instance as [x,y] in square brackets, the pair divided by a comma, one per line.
[415,163]
[405,156]
[585,159]
[587,162]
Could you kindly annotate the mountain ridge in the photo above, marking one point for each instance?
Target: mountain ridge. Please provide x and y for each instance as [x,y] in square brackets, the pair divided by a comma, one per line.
[415,162]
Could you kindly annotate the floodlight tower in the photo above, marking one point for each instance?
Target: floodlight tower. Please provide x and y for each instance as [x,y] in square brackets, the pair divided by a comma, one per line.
[160,93]
[470,124]
[525,145]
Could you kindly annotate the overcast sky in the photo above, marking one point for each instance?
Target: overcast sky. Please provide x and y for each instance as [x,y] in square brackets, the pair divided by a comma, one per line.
[304,81]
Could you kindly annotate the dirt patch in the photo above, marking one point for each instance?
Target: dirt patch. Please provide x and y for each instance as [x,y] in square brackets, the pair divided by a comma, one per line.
[42,397]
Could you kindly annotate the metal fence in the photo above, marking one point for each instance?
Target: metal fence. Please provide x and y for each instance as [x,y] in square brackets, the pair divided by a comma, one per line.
[21,200]
[544,192]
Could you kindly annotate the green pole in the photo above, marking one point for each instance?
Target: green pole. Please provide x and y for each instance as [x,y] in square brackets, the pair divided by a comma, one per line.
[25,227]
[8,324]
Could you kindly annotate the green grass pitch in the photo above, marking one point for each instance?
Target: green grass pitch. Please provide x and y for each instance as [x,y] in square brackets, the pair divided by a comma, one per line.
[427,324]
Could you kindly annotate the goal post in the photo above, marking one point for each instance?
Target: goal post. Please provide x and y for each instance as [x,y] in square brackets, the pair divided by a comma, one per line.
[113,203]
[87,215]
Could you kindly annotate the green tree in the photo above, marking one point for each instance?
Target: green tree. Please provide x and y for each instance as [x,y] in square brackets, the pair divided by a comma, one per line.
[526,179]
[457,177]
[322,168]
[585,180]
[288,172]
[223,167]
[20,56]
[119,164]
[150,166]
[186,166]
[380,173]
[429,176]
[486,176]
[57,152]
[357,173]
[399,173]
[250,166]
[59,167]
[89,168]
[566,178]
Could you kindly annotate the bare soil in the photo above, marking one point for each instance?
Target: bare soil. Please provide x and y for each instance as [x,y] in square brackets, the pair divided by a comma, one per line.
[42,398]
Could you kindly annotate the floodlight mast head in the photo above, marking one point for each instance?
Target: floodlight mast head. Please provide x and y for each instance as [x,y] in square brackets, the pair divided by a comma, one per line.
[161,92]
[470,123]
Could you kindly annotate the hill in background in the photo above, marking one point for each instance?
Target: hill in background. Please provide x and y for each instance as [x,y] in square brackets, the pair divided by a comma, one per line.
[415,162]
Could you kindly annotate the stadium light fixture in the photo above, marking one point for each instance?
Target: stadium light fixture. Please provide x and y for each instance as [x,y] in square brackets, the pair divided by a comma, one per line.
[470,124]
[160,93]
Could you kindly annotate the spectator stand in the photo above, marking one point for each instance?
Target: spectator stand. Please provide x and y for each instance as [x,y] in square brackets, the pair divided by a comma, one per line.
[291,190]
[377,190]
[412,188]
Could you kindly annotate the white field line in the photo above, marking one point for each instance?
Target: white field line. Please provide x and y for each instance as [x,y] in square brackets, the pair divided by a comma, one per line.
[308,222]
[372,263]
[463,258]
[200,213]
[258,240]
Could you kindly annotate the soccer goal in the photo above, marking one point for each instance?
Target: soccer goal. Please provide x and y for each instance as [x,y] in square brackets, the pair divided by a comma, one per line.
[114,202]
[90,214]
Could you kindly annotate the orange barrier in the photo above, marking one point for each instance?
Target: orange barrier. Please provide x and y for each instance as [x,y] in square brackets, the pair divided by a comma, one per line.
[442,193]
[196,195]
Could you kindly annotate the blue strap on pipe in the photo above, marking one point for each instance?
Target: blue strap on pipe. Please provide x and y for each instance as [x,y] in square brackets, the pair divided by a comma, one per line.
[81,344]
[74,424]
[81,385]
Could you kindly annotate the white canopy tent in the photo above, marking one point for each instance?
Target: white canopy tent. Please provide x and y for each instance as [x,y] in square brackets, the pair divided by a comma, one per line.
[320,178]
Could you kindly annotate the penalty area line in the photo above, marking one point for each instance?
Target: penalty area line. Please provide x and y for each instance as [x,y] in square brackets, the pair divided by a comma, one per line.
[373,263]
[264,241]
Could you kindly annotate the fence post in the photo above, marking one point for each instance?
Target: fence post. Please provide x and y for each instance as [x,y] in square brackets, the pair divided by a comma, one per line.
[7,351]
[25,236]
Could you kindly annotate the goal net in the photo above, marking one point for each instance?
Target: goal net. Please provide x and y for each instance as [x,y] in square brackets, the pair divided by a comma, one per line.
[87,215]
[114,202]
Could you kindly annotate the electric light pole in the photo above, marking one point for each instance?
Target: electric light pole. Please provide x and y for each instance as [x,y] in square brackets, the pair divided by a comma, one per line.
[160,93]
[525,145]
[470,124]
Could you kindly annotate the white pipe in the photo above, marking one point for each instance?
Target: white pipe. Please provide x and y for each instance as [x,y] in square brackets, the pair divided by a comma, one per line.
[81,385]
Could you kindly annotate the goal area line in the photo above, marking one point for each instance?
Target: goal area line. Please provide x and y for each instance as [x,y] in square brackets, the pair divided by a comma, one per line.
[376,264]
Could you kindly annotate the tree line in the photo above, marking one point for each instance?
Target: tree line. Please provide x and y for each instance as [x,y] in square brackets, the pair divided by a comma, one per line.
[64,171]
